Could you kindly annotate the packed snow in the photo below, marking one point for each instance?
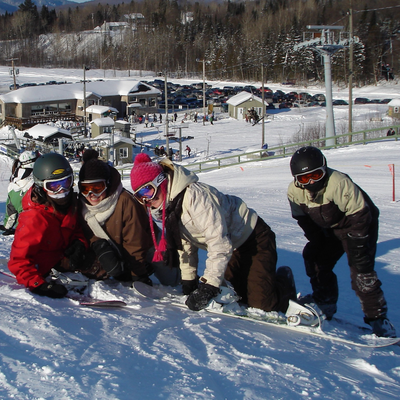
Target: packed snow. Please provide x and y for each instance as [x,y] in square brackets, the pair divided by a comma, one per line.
[56,349]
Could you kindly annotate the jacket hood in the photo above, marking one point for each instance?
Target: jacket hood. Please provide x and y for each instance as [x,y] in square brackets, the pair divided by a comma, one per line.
[179,178]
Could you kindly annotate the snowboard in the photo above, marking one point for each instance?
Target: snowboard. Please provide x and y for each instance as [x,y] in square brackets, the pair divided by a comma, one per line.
[355,336]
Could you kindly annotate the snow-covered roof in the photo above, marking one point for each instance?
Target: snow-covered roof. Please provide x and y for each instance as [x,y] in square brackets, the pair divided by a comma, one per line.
[44,132]
[123,139]
[67,91]
[243,97]
[394,103]
[106,121]
[100,109]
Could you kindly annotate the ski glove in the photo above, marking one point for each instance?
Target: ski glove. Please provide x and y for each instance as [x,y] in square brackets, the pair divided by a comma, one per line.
[53,290]
[143,278]
[199,299]
[189,286]
[359,253]
[76,254]
[107,258]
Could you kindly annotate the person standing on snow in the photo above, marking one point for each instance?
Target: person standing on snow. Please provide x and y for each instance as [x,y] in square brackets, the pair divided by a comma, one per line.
[117,227]
[240,245]
[48,235]
[337,217]
[20,182]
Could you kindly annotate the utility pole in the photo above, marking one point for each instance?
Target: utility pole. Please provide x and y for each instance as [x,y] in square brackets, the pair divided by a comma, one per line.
[204,85]
[351,71]
[13,72]
[84,99]
[166,113]
[263,107]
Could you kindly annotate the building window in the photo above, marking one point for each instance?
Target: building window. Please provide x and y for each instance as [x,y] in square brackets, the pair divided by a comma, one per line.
[396,110]
[123,152]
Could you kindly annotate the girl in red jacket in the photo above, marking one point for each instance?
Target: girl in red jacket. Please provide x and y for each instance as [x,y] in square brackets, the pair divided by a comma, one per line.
[47,235]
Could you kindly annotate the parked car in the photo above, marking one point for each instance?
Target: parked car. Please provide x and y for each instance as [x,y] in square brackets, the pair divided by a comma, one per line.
[375,101]
[12,86]
[286,104]
[340,103]
[385,101]
[318,97]
[361,100]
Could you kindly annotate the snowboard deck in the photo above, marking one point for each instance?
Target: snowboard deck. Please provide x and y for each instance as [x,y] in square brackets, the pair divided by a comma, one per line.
[366,339]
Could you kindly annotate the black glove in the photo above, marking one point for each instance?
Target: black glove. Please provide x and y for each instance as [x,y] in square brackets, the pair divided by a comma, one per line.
[8,232]
[199,299]
[144,278]
[53,290]
[107,258]
[190,286]
[359,253]
[76,254]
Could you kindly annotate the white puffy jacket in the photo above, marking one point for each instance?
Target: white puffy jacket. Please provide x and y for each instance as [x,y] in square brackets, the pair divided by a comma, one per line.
[210,220]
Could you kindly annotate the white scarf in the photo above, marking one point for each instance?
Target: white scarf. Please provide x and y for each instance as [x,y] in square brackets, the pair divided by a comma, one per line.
[97,215]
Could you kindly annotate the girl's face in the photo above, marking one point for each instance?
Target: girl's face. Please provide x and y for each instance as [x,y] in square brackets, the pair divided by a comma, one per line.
[94,200]
[157,200]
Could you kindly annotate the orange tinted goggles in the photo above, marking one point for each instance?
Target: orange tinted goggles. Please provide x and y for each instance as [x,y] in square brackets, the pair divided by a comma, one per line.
[96,188]
[315,175]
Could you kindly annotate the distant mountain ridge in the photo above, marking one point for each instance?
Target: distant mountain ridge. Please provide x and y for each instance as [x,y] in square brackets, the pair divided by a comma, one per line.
[12,5]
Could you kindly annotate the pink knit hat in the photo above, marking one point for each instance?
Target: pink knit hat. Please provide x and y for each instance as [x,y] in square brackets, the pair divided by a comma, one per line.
[145,171]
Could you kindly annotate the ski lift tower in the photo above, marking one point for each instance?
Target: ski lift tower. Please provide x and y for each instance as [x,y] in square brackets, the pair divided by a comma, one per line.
[324,42]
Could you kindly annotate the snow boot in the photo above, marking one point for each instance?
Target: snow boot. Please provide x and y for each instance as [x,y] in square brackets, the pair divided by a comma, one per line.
[382,327]
[307,314]
[328,309]
[286,287]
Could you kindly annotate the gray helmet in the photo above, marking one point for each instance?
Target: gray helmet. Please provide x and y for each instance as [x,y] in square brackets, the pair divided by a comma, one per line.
[51,166]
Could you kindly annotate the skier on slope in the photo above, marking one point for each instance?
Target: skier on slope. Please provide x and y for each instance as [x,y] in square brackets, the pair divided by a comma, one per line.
[48,235]
[20,182]
[240,245]
[117,227]
[337,217]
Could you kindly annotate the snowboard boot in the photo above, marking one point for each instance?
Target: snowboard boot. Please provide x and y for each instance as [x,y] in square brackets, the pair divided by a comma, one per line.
[307,314]
[286,287]
[382,327]
[328,309]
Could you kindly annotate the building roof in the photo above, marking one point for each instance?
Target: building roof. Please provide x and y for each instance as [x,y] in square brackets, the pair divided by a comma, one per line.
[106,121]
[242,97]
[68,91]
[45,132]
[100,109]
[394,103]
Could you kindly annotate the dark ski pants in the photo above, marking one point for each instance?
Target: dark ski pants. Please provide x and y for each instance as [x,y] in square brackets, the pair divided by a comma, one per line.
[321,258]
[251,271]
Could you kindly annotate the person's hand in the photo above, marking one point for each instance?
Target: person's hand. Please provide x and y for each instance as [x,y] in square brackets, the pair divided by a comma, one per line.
[76,254]
[107,257]
[51,289]
[199,299]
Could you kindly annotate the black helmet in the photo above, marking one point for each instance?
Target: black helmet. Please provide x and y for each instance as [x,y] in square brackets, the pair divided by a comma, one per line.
[307,159]
[50,166]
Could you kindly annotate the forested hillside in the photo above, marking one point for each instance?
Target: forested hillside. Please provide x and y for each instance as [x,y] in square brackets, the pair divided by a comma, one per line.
[233,37]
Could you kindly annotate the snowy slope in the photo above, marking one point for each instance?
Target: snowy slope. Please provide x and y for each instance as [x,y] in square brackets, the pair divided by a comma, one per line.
[54,349]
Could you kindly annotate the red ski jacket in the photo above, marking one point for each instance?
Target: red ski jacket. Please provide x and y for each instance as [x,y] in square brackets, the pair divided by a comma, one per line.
[41,237]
